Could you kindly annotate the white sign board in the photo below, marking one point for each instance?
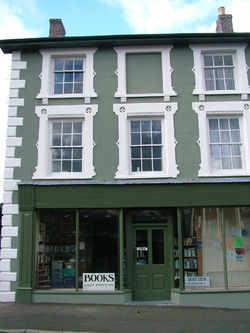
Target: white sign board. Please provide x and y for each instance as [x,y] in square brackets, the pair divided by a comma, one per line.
[197,282]
[98,281]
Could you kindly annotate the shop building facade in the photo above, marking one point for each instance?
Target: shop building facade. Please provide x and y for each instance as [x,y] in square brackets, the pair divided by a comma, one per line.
[128,170]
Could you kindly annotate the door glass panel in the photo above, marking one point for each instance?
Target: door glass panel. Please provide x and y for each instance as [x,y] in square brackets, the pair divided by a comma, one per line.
[158,246]
[141,247]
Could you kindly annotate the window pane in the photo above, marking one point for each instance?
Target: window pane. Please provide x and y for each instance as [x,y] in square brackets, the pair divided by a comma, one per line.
[135,138]
[77,166]
[145,126]
[141,247]
[67,127]
[56,166]
[58,89]
[235,136]
[215,151]
[228,73]
[234,124]
[68,88]
[214,136]
[78,65]
[77,140]
[77,127]
[225,150]
[237,162]
[210,85]
[213,124]
[135,152]
[68,65]
[68,77]
[156,138]
[157,247]
[66,166]
[56,154]
[226,163]
[66,153]
[208,60]
[136,165]
[156,125]
[78,88]
[135,126]
[78,77]
[58,65]
[218,73]
[218,61]
[157,151]
[228,60]
[225,137]
[230,84]
[223,123]
[236,150]
[66,140]
[209,73]
[219,84]
[146,152]
[157,165]
[147,165]
[57,127]
[146,138]
[77,153]
[58,78]
[56,140]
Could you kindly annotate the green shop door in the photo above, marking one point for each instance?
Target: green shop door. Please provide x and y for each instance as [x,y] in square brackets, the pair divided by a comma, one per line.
[151,264]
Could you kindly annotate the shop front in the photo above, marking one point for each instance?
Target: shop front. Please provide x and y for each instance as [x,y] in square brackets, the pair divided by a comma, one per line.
[149,244]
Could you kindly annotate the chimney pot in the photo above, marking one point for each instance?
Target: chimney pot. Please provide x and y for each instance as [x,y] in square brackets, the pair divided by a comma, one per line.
[221,11]
[56,28]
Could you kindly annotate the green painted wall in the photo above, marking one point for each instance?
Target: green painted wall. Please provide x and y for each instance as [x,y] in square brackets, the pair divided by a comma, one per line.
[105,121]
[144,73]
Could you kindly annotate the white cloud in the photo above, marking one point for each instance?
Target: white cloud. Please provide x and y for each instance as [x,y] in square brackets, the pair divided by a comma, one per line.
[11,26]
[169,16]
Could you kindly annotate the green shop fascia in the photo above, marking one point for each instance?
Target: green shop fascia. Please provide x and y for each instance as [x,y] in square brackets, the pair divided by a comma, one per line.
[117,241]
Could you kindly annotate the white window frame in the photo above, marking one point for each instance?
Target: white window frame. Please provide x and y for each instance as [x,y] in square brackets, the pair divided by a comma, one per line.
[163,111]
[47,74]
[46,115]
[166,71]
[206,110]
[240,69]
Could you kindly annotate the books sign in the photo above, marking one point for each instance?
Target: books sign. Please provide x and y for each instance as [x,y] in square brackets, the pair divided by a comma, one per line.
[98,281]
[194,282]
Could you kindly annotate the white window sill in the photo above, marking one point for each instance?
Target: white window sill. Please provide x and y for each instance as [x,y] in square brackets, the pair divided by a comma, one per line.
[220,92]
[65,175]
[39,96]
[225,173]
[141,175]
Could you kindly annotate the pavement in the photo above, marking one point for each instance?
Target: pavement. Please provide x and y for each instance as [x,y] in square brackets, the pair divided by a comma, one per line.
[133,318]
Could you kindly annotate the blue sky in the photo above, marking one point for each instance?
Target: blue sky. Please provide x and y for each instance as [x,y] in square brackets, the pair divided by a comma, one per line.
[30,18]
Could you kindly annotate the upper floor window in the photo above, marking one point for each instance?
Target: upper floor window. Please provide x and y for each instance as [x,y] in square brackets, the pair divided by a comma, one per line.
[68,76]
[220,69]
[144,71]
[67,73]
[219,72]
[146,140]
[65,142]
[67,146]
[146,145]
[225,143]
[224,140]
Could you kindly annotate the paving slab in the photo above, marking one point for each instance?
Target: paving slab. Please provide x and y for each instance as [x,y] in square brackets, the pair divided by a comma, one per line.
[163,318]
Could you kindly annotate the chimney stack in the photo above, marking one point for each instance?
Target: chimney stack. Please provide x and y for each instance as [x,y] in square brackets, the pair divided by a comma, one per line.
[56,28]
[224,22]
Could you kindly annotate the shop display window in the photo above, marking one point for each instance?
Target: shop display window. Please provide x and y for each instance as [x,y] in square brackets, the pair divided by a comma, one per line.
[56,253]
[237,229]
[98,243]
[66,249]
